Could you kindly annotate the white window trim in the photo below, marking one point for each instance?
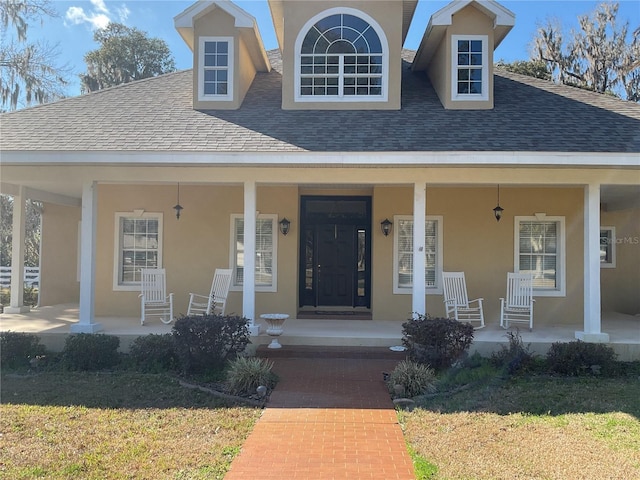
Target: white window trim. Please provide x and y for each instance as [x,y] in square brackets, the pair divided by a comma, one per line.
[201,69]
[561,265]
[117,250]
[232,253]
[612,239]
[468,97]
[437,290]
[348,99]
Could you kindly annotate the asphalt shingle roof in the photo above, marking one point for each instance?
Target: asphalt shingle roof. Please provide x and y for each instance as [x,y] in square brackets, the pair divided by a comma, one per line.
[156,115]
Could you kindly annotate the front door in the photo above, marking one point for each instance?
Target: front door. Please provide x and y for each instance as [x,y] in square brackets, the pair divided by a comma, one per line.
[335,245]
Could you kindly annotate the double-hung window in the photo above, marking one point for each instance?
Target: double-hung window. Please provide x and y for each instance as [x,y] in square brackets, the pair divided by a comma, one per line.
[403,254]
[341,56]
[608,247]
[216,68]
[266,252]
[470,75]
[138,245]
[540,250]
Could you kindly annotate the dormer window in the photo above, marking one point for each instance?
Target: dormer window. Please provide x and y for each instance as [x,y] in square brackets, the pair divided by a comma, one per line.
[216,69]
[470,75]
[342,57]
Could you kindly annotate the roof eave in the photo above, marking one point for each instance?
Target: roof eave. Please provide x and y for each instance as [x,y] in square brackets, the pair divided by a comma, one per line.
[503,22]
[246,23]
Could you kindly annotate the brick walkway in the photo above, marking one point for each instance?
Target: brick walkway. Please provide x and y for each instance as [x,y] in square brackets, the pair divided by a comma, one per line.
[328,418]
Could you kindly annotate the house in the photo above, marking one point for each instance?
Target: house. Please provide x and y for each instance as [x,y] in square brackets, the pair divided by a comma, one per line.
[340,131]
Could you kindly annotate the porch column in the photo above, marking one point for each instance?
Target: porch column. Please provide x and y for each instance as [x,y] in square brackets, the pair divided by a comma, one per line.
[249,276]
[16,302]
[592,315]
[88,230]
[419,214]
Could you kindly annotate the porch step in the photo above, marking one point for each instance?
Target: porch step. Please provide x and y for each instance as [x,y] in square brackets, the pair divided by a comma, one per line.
[318,351]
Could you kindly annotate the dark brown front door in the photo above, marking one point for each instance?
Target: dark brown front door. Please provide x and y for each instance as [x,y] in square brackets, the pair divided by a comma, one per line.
[336,261]
[335,251]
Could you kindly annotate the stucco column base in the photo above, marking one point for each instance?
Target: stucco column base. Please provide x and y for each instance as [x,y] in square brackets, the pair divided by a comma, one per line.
[23,309]
[86,328]
[593,337]
[254,329]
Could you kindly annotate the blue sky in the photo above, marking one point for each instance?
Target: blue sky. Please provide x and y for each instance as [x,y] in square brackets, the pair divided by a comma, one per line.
[73,29]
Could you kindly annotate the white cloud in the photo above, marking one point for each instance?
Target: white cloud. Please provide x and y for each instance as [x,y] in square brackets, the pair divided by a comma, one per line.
[123,13]
[100,6]
[97,17]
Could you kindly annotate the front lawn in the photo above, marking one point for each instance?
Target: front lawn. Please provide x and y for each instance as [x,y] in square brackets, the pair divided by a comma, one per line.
[115,425]
[531,427]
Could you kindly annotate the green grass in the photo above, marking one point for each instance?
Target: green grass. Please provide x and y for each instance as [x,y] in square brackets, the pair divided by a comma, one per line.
[112,426]
[529,426]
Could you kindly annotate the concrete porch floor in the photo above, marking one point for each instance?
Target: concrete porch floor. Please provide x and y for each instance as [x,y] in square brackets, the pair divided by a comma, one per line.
[52,324]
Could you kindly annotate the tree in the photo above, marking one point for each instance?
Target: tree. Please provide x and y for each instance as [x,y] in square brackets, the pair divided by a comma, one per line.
[27,70]
[601,56]
[126,54]
[32,231]
[531,68]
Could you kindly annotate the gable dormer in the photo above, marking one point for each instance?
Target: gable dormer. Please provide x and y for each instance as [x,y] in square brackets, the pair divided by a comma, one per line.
[227,52]
[457,52]
[341,55]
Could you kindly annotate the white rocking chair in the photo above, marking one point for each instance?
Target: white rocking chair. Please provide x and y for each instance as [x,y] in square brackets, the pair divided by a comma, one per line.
[216,301]
[153,297]
[518,304]
[457,303]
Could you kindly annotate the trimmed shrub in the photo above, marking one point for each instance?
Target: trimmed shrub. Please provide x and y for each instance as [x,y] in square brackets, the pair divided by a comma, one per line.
[437,342]
[207,342]
[154,353]
[90,351]
[17,350]
[516,357]
[245,374]
[415,378]
[581,358]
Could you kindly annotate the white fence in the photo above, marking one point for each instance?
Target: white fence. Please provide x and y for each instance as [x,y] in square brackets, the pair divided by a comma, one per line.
[31,276]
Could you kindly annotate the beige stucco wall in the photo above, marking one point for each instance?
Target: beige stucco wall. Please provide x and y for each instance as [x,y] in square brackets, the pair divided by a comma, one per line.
[468,21]
[481,247]
[218,23]
[621,285]
[473,242]
[59,255]
[387,14]
[195,245]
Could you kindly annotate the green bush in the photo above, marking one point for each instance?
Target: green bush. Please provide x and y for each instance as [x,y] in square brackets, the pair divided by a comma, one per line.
[437,342]
[90,351]
[154,353]
[415,378]
[516,357]
[207,342]
[18,350]
[581,358]
[245,374]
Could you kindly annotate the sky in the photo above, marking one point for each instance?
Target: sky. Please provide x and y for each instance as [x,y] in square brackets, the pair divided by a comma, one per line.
[72,31]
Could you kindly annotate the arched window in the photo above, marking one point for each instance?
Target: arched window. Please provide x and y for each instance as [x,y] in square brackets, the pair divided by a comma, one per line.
[341,56]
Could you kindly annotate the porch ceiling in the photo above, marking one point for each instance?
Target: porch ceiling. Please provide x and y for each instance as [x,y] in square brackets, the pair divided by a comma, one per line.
[613,197]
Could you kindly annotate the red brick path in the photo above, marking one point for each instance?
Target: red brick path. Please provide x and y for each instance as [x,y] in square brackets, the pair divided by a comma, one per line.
[328,418]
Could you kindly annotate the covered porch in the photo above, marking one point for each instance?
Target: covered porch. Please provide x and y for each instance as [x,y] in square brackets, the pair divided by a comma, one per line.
[54,323]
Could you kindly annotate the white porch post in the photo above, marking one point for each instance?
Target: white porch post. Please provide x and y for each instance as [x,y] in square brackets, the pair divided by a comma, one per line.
[16,302]
[249,278]
[592,315]
[419,214]
[88,260]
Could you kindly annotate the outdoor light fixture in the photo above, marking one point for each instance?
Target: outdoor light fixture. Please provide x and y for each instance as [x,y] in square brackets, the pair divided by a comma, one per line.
[284,226]
[498,210]
[386,226]
[177,207]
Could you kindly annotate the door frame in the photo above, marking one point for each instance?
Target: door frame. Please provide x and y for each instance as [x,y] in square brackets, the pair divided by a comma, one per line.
[307,297]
